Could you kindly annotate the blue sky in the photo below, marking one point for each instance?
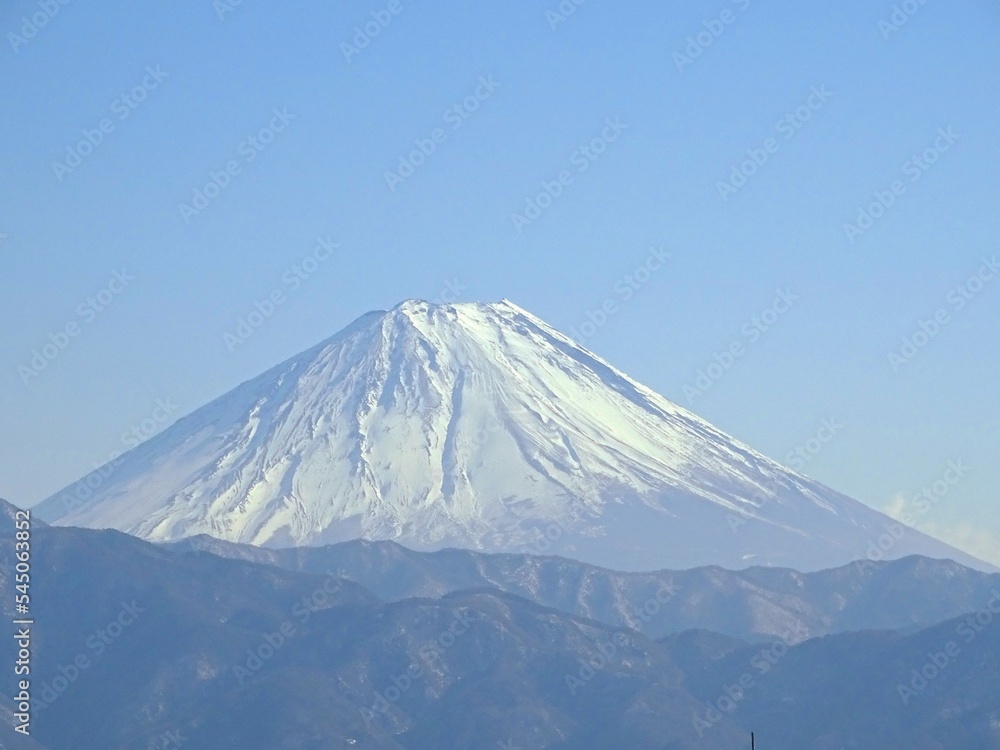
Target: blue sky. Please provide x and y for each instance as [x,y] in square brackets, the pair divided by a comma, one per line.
[744,136]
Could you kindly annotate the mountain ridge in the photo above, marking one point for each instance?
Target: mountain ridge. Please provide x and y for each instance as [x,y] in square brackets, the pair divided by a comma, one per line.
[478,426]
[221,654]
[750,604]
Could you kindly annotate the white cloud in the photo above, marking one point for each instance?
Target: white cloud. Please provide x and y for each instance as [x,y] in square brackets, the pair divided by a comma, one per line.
[896,506]
[977,541]
[980,542]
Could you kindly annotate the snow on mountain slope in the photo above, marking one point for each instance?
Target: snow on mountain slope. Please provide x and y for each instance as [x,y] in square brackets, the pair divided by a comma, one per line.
[480,426]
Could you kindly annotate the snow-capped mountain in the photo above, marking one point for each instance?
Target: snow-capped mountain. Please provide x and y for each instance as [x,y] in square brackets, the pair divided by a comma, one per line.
[478,426]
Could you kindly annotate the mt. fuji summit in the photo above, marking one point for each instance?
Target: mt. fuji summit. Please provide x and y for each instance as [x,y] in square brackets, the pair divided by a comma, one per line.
[476,426]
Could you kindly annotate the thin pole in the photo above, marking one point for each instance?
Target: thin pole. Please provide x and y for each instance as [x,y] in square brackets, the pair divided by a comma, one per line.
[753,745]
